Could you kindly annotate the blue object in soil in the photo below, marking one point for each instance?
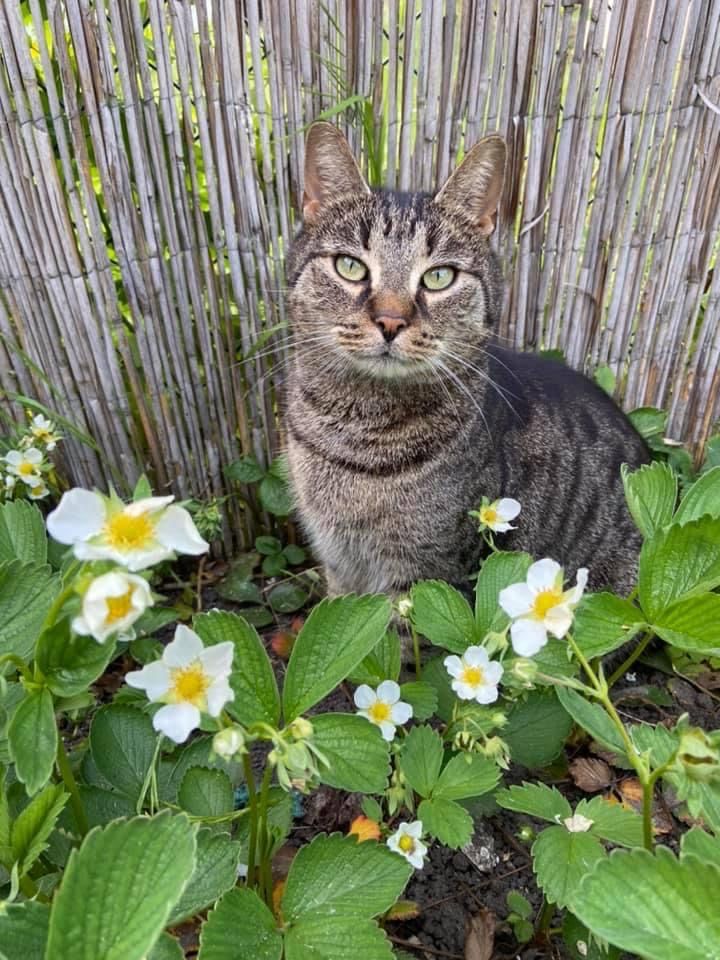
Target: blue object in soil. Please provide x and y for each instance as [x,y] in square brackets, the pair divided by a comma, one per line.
[242,797]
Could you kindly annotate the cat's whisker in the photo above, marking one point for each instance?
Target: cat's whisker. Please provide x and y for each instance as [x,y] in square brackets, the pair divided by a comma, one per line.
[463,389]
[501,391]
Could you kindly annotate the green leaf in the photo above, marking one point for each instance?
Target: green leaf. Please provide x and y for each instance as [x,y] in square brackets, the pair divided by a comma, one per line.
[236,585]
[275,495]
[268,546]
[519,904]
[649,422]
[33,739]
[702,845]
[197,753]
[382,663]
[421,759]
[27,591]
[443,615]
[678,561]
[582,944]
[367,879]
[127,877]
[605,378]
[446,820]
[287,597]
[536,729]
[692,624]
[34,824]
[498,571]
[244,470]
[22,533]
[252,678]
[561,859]
[604,622]
[294,554]
[24,930]
[466,775]
[701,499]
[333,640]
[612,822]
[122,742]
[592,717]
[70,663]
[102,805]
[421,696]
[273,565]
[651,494]
[436,675]
[535,799]
[240,926]
[206,793]
[553,660]
[358,757]
[142,488]
[319,937]
[216,862]
[655,906]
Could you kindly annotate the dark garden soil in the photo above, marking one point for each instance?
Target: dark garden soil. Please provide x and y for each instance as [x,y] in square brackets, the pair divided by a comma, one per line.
[459,898]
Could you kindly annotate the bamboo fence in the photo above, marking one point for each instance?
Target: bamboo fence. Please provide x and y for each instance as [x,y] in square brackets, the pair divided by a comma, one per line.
[151,155]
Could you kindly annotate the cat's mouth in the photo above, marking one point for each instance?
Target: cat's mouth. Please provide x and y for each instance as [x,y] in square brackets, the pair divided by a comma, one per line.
[389,362]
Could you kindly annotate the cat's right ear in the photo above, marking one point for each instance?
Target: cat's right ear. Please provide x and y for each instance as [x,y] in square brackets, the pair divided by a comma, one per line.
[330,169]
[475,187]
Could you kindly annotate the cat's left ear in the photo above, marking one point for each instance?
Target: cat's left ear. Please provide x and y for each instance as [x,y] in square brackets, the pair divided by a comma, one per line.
[476,185]
[330,169]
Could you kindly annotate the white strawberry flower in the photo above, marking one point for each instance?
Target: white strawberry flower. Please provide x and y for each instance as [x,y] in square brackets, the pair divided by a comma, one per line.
[541,606]
[26,465]
[577,823]
[190,679]
[383,707]
[406,841]
[37,493]
[475,676]
[137,535]
[111,604]
[496,516]
[43,430]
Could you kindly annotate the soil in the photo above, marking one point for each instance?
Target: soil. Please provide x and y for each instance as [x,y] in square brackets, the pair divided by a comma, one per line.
[457,889]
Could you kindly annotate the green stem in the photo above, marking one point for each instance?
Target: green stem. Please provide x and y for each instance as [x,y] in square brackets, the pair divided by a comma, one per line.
[253,805]
[68,778]
[416,651]
[542,924]
[264,868]
[626,664]
[150,779]
[648,791]
[59,601]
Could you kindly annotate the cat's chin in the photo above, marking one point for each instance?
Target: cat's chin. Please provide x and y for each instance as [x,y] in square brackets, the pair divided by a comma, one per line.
[387,367]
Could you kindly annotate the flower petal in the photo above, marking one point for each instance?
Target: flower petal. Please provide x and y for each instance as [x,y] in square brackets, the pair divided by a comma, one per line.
[453,665]
[364,697]
[218,694]
[79,515]
[574,595]
[175,529]
[527,637]
[415,830]
[516,599]
[387,730]
[493,672]
[476,657]
[154,679]
[217,659]
[388,691]
[185,647]
[508,508]
[400,713]
[558,620]
[543,574]
[177,721]
[147,505]
[464,690]
[486,693]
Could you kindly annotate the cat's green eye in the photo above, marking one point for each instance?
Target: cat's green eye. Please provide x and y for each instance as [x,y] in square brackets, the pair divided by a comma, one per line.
[350,269]
[439,278]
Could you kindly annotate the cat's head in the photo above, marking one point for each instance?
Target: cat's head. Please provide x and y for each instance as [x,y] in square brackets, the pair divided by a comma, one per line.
[388,283]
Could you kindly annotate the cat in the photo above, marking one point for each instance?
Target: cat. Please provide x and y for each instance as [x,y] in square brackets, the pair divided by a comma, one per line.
[403,412]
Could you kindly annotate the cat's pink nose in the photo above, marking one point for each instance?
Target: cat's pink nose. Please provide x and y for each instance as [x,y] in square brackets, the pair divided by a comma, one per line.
[390,325]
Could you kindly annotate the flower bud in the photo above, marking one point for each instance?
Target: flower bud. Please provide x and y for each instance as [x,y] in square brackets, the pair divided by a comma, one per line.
[525,670]
[229,742]
[301,728]
[698,755]
[404,607]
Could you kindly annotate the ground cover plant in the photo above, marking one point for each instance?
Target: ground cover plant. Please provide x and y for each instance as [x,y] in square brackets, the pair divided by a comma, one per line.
[124,815]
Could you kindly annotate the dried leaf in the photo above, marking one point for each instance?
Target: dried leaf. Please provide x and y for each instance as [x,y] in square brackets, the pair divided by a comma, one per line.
[403,910]
[590,774]
[631,794]
[480,936]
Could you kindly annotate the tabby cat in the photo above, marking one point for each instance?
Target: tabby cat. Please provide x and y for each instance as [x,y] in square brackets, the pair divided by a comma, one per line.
[402,412]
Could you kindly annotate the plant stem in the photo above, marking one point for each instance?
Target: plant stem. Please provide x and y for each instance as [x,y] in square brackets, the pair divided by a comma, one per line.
[68,777]
[626,664]
[252,804]
[59,601]
[648,790]
[416,651]
[547,912]
[265,873]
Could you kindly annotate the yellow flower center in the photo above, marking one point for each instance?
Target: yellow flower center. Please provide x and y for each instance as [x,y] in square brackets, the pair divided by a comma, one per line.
[118,607]
[488,515]
[472,676]
[125,531]
[545,601]
[189,685]
[406,843]
[379,712]
[43,434]
[25,469]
